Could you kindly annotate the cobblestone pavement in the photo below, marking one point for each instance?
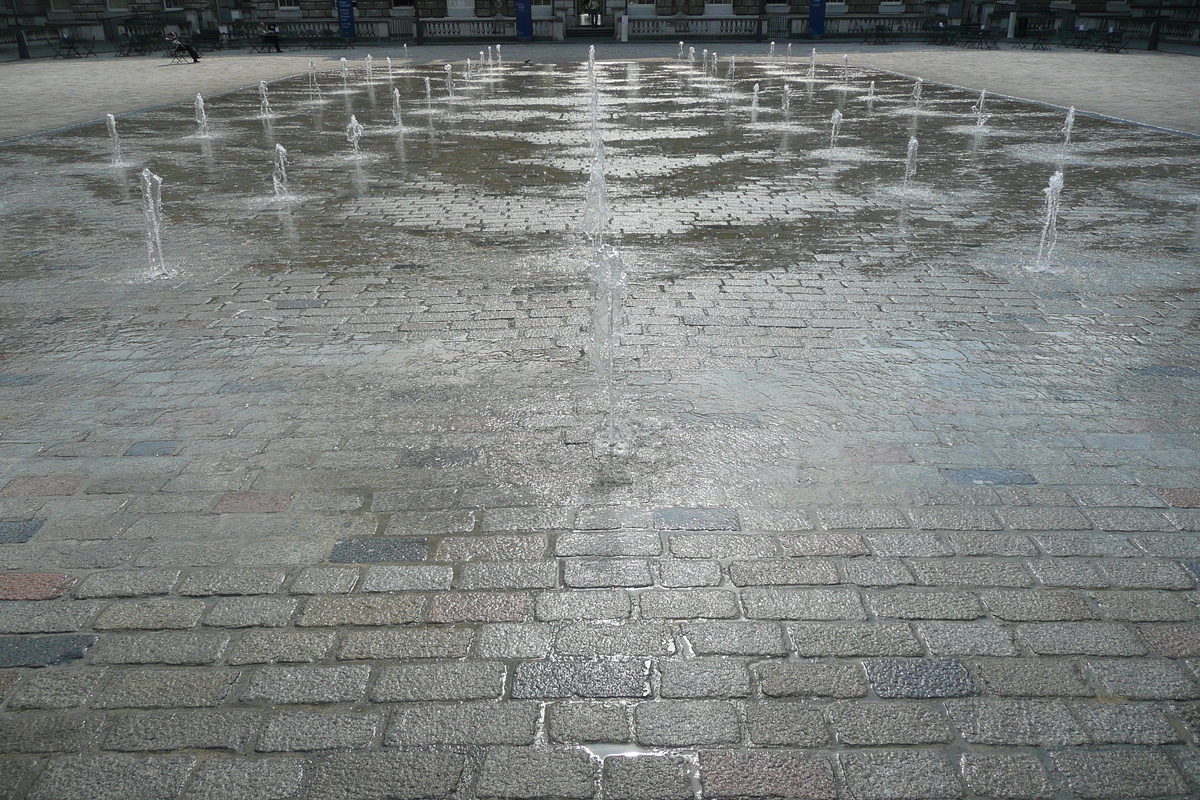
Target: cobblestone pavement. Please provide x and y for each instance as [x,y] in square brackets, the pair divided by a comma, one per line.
[325,507]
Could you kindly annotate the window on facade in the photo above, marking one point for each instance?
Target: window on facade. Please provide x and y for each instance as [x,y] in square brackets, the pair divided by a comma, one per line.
[287,3]
[60,5]
[403,3]
[118,5]
[172,5]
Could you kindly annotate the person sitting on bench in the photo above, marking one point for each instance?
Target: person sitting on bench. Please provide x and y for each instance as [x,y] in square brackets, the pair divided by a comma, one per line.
[269,36]
[178,45]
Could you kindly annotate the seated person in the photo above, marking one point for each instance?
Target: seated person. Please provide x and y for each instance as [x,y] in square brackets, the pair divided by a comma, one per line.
[178,45]
[269,36]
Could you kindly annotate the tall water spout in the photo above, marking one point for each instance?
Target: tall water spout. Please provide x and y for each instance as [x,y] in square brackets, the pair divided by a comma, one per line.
[1049,221]
[787,98]
[679,55]
[429,100]
[397,116]
[871,95]
[608,273]
[910,161]
[314,89]
[201,118]
[916,94]
[449,80]
[354,132]
[845,69]
[1068,124]
[754,105]
[345,76]
[811,75]
[835,127]
[406,51]
[118,160]
[732,69]
[264,104]
[771,53]
[390,74]
[691,55]
[279,176]
[981,116]
[152,211]
[789,52]
[370,67]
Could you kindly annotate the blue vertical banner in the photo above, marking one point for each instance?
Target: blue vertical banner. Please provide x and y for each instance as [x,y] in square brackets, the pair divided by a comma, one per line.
[816,18]
[524,9]
[345,12]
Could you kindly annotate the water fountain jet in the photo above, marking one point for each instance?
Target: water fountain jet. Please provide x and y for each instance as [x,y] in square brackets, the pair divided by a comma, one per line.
[118,160]
[152,212]
[1049,222]
[201,118]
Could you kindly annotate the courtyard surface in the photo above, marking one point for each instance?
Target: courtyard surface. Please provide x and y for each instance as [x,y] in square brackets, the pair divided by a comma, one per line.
[882,487]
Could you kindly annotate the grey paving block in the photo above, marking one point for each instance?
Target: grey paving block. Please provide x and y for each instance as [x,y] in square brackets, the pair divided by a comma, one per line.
[736,638]
[113,777]
[18,531]
[251,611]
[971,572]
[281,551]
[1081,638]
[1015,721]
[526,640]
[332,611]
[990,543]
[42,617]
[233,779]
[823,544]
[681,572]
[184,554]
[583,604]
[689,604]
[43,651]
[197,687]
[156,614]
[810,679]
[428,642]
[46,689]
[471,723]
[1125,723]
[454,680]
[784,572]
[785,724]
[870,571]
[861,519]
[267,646]
[409,775]
[605,678]
[1032,677]
[574,722]
[627,639]
[308,684]
[854,639]
[597,574]
[325,580]
[988,476]
[512,773]
[926,604]
[1143,678]
[803,604]
[1145,606]
[899,775]
[722,545]
[728,774]
[1020,776]
[161,647]
[182,730]
[231,581]
[127,583]
[967,638]
[896,722]
[696,519]
[491,547]
[49,732]
[920,678]
[1104,774]
[686,723]
[378,549]
[297,732]
[609,544]
[1030,605]
[642,777]
[409,577]
[508,575]
[703,677]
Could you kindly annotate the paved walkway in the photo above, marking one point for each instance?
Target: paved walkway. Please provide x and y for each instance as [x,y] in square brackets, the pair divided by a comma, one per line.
[1160,89]
[323,505]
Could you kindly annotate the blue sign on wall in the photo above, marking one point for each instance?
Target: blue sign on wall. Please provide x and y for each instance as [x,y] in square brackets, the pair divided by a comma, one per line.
[524,20]
[816,18]
[345,12]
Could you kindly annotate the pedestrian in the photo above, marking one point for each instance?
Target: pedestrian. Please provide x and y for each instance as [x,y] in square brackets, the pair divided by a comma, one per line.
[594,16]
[176,44]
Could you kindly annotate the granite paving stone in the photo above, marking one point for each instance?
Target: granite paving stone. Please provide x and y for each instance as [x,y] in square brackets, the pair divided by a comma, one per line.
[113,777]
[229,778]
[166,688]
[766,773]
[47,689]
[641,777]
[900,774]
[34,585]
[42,651]
[457,680]
[1112,774]
[555,679]
[182,730]
[583,721]
[921,678]
[298,732]
[686,723]
[1020,776]
[471,723]
[511,772]
[375,775]
[308,684]
[160,647]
